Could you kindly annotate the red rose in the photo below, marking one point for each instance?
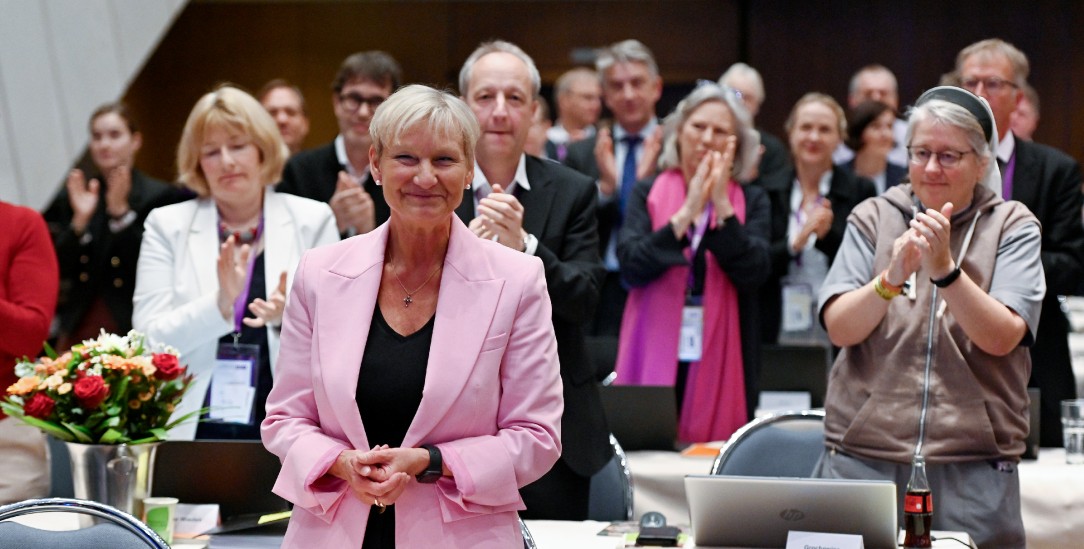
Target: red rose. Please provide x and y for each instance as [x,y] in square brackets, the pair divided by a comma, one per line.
[91,391]
[39,406]
[167,366]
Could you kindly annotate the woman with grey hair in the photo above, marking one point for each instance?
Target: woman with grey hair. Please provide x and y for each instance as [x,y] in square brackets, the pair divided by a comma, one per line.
[694,249]
[934,298]
[419,366]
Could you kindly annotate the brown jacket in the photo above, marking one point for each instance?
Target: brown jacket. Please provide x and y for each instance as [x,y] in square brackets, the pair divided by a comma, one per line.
[978,405]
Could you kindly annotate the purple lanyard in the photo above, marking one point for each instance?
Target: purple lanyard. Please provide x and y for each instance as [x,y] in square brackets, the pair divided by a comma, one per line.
[1006,178]
[696,238]
[242,299]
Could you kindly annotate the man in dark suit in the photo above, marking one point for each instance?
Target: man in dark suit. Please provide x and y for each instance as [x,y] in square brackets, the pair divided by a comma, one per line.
[746,80]
[1049,183]
[616,157]
[338,173]
[545,209]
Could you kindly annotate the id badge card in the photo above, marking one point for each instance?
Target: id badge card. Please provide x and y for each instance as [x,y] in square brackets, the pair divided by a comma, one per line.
[691,340]
[797,307]
[233,383]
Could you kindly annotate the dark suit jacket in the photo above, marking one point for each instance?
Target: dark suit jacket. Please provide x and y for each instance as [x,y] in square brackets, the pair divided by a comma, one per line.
[894,174]
[559,212]
[106,265]
[314,174]
[1048,182]
[845,192]
[776,157]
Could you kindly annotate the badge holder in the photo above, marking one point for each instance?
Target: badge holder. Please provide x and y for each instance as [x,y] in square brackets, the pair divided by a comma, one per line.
[691,340]
[233,383]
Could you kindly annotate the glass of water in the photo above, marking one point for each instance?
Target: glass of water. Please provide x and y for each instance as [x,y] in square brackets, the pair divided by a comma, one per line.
[1072,423]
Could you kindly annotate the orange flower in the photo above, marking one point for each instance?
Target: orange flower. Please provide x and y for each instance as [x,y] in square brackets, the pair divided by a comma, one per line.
[24,385]
[134,404]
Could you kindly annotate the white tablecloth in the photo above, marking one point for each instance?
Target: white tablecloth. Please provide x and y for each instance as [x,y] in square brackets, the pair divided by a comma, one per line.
[1051,493]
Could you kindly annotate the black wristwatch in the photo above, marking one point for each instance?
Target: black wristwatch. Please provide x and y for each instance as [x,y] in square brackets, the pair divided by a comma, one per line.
[435,469]
[949,278]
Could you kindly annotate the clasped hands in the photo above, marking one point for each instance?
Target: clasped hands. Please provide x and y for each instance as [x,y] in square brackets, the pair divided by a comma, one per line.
[352,206]
[233,279]
[710,182]
[379,476]
[926,243]
[500,217]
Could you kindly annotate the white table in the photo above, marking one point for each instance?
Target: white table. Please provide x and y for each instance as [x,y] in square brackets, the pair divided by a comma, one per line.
[1051,493]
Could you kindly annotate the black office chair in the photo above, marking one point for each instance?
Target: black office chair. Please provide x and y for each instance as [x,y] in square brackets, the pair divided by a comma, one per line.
[118,531]
[610,498]
[780,445]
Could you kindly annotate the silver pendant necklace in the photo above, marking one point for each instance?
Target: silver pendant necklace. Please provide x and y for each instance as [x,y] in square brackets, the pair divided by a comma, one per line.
[409,294]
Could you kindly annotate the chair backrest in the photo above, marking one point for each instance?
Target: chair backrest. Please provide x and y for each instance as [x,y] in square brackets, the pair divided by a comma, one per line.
[118,530]
[528,539]
[611,488]
[781,445]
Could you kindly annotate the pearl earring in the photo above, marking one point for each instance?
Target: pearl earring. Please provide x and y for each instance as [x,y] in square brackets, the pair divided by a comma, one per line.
[468,186]
[377,181]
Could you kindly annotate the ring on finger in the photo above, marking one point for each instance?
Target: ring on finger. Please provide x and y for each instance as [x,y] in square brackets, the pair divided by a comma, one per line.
[381,506]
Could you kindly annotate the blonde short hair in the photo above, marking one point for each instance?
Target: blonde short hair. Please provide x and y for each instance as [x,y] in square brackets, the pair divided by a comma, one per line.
[235,110]
[442,113]
[827,101]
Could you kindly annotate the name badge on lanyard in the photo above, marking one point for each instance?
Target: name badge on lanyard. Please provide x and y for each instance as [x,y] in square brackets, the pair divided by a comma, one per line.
[691,340]
[233,383]
[691,336]
[237,365]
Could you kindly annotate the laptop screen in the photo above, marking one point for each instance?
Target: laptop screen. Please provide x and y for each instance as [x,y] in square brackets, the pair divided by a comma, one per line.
[236,474]
[731,511]
[641,417]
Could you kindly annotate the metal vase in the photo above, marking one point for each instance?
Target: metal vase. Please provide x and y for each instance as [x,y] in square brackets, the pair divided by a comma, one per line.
[119,475]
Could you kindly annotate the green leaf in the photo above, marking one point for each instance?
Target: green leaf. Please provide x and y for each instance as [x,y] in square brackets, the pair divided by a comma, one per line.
[12,409]
[81,434]
[49,427]
[112,422]
[159,432]
[111,436]
[186,417]
[49,351]
[113,410]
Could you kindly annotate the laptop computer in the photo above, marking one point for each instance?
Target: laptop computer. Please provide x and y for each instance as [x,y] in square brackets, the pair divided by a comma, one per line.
[641,417]
[236,474]
[731,511]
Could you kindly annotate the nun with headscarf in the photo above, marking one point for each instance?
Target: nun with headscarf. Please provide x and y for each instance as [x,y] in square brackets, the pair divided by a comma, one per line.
[933,298]
[694,250]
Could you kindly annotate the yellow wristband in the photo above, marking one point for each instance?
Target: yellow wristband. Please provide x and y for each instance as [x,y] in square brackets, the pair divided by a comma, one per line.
[884,292]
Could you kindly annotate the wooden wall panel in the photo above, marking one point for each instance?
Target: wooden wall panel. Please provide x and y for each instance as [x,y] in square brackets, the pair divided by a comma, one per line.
[249,43]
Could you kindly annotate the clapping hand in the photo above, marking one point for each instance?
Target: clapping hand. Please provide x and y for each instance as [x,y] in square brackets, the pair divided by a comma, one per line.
[83,198]
[352,206]
[118,185]
[607,164]
[232,274]
[500,215]
[268,312]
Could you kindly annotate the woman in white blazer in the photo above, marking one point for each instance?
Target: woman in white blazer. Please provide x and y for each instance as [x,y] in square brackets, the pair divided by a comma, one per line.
[213,272]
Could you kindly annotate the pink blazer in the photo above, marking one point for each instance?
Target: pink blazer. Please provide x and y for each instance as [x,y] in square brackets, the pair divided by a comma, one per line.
[491,401]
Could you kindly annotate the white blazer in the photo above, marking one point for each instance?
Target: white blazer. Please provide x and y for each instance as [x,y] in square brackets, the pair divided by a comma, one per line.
[176,291]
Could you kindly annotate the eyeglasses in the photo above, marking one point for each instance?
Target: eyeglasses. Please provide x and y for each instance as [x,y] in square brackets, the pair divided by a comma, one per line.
[354,101]
[992,84]
[945,159]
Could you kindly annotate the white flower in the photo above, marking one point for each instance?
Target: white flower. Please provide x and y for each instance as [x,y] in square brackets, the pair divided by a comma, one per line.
[24,369]
[113,342]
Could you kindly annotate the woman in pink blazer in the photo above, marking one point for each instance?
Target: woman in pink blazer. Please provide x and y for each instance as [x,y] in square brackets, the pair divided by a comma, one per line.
[418,384]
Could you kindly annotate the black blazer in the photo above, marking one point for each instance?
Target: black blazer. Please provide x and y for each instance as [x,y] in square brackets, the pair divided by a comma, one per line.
[1048,182]
[314,174]
[104,266]
[894,173]
[559,212]
[845,192]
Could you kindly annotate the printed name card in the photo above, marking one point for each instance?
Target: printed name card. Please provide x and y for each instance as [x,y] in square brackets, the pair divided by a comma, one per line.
[819,540]
[192,520]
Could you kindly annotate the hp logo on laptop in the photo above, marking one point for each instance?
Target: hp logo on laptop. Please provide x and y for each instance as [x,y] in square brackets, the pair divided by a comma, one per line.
[791,515]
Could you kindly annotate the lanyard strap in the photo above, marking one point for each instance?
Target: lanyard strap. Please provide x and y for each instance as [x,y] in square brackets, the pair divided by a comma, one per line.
[695,239]
[242,298]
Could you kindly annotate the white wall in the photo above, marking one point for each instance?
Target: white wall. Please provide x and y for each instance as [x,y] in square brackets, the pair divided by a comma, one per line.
[59,60]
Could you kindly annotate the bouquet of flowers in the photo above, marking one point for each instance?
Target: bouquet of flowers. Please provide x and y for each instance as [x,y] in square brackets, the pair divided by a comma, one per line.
[109,390]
